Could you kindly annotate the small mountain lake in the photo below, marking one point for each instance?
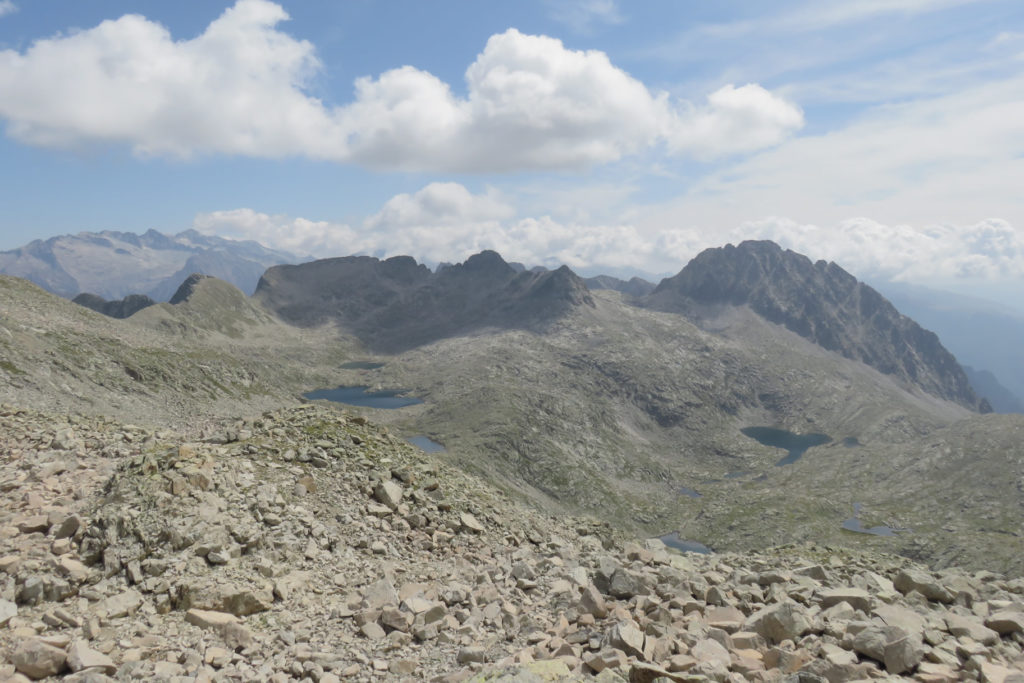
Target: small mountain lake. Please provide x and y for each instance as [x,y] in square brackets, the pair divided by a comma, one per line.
[361,365]
[796,444]
[362,397]
[687,491]
[672,540]
[853,524]
[426,444]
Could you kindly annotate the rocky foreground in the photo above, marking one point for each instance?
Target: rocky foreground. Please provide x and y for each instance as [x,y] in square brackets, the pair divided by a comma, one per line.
[310,545]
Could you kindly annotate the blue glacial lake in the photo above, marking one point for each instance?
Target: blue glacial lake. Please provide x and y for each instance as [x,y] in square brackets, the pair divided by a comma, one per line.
[363,398]
[853,524]
[425,444]
[672,540]
[796,444]
[361,365]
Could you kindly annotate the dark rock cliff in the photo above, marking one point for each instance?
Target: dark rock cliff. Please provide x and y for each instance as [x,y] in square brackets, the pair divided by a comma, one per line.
[820,302]
[120,308]
[397,304]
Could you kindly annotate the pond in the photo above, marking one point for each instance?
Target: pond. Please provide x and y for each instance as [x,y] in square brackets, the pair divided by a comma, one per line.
[672,540]
[853,524]
[361,365]
[360,396]
[687,491]
[796,444]
[425,444]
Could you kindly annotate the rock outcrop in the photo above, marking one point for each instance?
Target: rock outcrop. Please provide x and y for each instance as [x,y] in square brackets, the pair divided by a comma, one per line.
[120,308]
[820,302]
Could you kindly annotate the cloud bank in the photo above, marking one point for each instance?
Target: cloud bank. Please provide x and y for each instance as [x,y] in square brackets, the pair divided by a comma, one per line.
[446,222]
[242,88]
[7,7]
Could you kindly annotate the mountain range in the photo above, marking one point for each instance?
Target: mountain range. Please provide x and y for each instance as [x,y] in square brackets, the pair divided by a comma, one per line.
[630,403]
[113,265]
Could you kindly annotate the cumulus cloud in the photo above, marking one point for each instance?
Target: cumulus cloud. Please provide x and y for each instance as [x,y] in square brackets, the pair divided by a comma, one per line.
[736,120]
[444,222]
[241,87]
[299,236]
[447,222]
[992,249]
[7,7]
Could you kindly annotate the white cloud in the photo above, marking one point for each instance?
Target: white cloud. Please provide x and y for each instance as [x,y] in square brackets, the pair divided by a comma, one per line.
[737,120]
[988,250]
[7,7]
[446,222]
[299,236]
[951,160]
[241,88]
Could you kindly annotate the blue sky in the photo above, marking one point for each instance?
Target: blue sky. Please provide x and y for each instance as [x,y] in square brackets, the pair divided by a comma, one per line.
[882,134]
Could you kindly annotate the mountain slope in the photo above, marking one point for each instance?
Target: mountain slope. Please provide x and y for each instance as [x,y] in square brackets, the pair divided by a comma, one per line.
[113,264]
[157,364]
[397,304]
[820,302]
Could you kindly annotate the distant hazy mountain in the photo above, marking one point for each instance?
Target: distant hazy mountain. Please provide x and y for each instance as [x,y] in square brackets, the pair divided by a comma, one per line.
[981,334]
[397,304]
[635,286]
[985,384]
[820,302]
[113,265]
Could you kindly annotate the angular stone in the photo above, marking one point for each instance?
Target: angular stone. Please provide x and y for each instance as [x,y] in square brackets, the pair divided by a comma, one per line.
[728,619]
[782,621]
[69,527]
[73,569]
[388,493]
[592,602]
[857,598]
[471,654]
[35,524]
[240,600]
[1005,622]
[649,673]
[470,523]
[625,584]
[627,637]
[209,619]
[901,617]
[708,650]
[380,593]
[373,631]
[36,659]
[972,628]
[607,658]
[925,584]
[120,605]
[902,654]
[81,656]
[8,610]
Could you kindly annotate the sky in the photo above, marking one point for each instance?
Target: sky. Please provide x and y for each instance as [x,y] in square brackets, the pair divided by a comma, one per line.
[885,135]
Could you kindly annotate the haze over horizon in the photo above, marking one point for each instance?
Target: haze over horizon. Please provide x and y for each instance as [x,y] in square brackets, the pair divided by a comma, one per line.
[883,136]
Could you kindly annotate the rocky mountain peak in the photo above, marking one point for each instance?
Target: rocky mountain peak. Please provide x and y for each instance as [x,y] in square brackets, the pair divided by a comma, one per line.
[399,304]
[187,288]
[820,302]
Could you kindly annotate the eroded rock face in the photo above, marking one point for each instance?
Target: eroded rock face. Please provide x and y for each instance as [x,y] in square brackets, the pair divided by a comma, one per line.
[203,557]
[823,303]
[398,304]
